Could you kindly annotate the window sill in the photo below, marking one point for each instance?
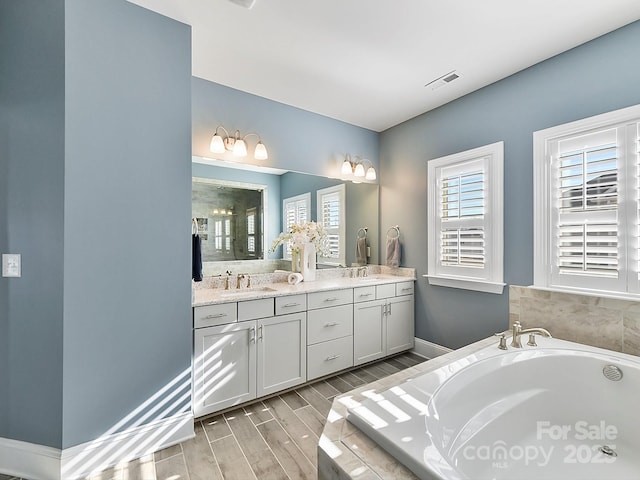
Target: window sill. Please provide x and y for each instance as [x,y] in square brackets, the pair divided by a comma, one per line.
[466,284]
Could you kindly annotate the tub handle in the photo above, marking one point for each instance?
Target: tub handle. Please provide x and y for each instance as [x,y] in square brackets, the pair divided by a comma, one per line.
[503,340]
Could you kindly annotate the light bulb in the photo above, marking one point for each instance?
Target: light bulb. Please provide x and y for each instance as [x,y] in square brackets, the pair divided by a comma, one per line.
[346,167]
[240,148]
[217,144]
[261,152]
[359,172]
[371,174]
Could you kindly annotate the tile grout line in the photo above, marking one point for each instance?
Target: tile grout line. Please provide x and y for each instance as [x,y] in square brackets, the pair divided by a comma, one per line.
[271,450]
[314,464]
[241,450]
[209,442]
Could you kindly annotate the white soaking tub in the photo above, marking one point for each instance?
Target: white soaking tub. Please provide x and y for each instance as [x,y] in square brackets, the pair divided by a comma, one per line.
[556,411]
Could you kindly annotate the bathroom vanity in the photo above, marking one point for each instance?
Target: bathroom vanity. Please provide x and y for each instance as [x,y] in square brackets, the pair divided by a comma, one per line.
[253,342]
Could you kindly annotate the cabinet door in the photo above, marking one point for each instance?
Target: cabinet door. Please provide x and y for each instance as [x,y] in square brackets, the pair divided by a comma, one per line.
[369,332]
[224,366]
[400,324]
[282,353]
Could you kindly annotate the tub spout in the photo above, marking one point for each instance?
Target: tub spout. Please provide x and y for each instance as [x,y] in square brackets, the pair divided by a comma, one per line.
[517,331]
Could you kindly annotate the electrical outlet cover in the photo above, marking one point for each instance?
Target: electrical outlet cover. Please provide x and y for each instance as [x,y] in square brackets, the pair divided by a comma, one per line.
[11,265]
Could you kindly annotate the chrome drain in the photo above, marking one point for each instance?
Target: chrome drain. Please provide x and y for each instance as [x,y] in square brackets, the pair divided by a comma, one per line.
[612,373]
[607,450]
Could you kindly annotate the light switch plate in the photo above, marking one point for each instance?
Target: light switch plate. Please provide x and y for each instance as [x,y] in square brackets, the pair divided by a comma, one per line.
[11,265]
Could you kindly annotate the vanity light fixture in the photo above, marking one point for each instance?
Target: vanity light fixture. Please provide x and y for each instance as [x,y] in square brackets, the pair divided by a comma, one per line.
[236,144]
[357,168]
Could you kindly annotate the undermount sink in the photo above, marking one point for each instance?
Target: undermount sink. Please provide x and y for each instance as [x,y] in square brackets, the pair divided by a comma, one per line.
[246,291]
[368,279]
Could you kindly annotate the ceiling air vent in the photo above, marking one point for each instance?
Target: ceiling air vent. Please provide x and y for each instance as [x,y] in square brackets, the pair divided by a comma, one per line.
[443,80]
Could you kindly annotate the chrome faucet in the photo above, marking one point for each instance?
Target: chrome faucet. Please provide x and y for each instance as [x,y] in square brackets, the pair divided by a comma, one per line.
[364,270]
[517,331]
[239,279]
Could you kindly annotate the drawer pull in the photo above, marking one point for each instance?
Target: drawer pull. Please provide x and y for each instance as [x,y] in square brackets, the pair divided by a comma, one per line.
[332,324]
[216,315]
[406,289]
[365,294]
[332,357]
[331,299]
[288,305]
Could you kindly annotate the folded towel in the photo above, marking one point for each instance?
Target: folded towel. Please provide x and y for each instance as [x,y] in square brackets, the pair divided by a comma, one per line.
[361,251]
[196,258]
[295,278]
[393,252]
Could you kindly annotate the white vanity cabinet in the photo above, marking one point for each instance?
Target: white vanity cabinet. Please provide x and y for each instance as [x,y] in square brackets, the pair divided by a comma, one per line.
[384,326]
[329,332]
[282,356]
[243,360]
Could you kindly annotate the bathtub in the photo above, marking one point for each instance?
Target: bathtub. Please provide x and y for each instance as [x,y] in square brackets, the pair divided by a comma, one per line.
[545,412]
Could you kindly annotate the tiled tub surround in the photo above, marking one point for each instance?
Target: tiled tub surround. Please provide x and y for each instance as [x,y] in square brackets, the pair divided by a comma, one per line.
[603,322]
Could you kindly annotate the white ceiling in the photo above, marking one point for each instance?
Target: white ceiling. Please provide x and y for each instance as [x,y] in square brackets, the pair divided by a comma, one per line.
[366,62]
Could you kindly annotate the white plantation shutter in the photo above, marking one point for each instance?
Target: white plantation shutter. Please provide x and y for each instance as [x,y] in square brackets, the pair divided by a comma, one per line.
[462,216]
[331,215]
[294,210]
[586,219]
[465,220]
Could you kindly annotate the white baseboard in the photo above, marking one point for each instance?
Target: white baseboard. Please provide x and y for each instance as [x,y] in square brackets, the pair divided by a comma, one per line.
[29,460]
[428,349]
[38,462]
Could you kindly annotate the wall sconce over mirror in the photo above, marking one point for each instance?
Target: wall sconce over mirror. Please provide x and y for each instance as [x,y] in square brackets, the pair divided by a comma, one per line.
[236,144]
[357,168]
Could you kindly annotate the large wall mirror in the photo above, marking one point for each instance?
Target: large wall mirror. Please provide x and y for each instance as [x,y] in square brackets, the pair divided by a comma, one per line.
[239,209]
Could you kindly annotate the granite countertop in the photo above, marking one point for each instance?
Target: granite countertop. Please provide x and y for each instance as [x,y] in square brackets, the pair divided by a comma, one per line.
[275,285]
[345,453]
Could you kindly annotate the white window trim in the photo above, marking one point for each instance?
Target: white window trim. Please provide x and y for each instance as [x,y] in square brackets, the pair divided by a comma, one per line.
[492,281]
[340,189]
[542,254]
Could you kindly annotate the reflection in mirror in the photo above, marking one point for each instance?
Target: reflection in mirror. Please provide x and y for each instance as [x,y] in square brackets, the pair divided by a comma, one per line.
[361,211]
[229,216]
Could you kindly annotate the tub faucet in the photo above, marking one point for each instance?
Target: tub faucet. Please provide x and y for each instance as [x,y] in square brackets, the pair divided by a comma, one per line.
[517,331]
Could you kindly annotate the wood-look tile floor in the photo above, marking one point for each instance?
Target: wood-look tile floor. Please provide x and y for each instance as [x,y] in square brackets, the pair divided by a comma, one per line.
[272,439]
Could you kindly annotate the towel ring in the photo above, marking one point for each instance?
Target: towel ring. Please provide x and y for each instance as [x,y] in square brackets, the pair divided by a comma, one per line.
[363,231]
[395,229]
[194,226]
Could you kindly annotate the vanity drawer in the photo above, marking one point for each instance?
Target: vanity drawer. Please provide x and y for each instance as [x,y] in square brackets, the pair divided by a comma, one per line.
[328,357]
[404,288]
[291,304]
[386,290]
[329,299]
[329,323]
[363,294]
[252,309]
[212,315]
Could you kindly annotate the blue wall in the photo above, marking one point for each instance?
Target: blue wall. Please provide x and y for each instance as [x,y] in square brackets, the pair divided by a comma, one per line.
[296,140]
[127,227]
[596,77]
[31,218]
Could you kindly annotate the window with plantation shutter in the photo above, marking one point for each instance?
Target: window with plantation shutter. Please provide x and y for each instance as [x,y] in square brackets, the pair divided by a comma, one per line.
[331,215]
[586,204]
[294,210]
[465,219]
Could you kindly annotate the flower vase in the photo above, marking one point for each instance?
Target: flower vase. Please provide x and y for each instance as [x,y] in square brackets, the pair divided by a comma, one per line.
[295,261]
[308,262]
